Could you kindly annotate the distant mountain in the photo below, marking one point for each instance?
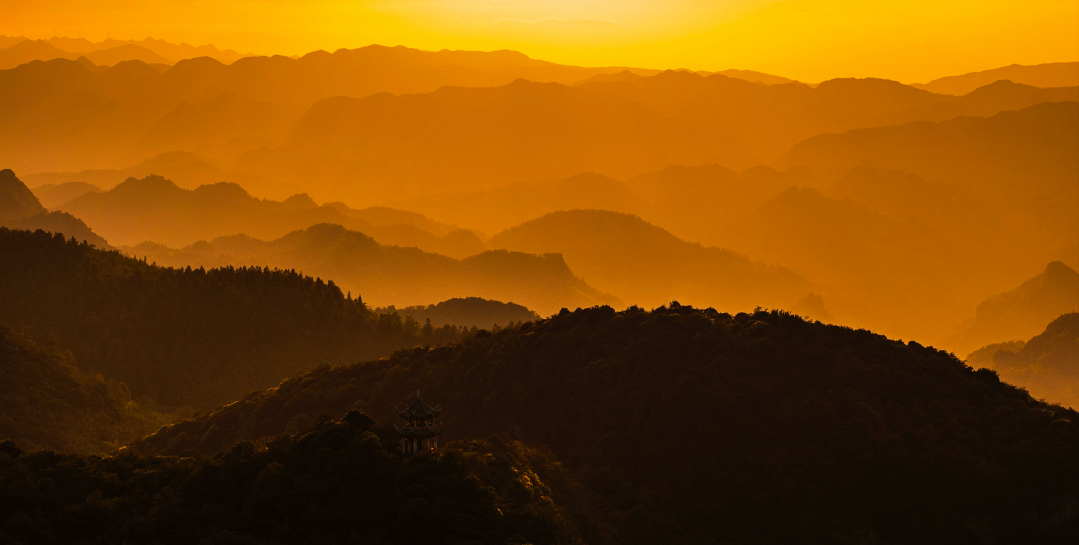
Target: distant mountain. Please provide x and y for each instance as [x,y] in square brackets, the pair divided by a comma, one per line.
[46,403]
[30,50]
[645,265]
[1054,74]
[20,209]
[691,424]
[691,201]
[394,275]
[189,337]
[52,196]
[155,209]
[1025,159]
[468,312]
[459,121]
[1047,365]
[475,138]
[493,210]
[1018,313]
[110,52]
[891,251]
[122,53]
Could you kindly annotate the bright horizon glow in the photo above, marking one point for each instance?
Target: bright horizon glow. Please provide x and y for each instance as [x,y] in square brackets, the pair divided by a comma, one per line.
[810,40]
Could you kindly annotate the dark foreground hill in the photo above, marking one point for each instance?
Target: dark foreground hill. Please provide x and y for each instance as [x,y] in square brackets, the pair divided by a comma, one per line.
[183,336]
[335,484]
[46,403]
[1047,364]
[696,425]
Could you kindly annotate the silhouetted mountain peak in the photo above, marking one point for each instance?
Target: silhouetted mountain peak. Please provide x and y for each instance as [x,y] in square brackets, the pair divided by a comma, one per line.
[1057,270]
[17,202]
[152,184]
[298,202]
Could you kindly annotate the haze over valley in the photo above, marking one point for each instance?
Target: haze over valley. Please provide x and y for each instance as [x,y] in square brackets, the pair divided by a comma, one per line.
[576,276]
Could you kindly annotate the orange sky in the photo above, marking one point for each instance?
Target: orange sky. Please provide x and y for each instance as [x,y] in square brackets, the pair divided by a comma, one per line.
[810,40]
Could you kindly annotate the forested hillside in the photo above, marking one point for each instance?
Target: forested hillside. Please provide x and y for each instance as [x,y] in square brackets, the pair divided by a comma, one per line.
[466,311]
[46,403]
[338,483]
[188,336]
[694,424]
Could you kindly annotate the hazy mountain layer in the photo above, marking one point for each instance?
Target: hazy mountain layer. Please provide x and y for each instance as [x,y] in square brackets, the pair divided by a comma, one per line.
[1047,365]
[155,209]
[690,201]
[645,265]
[20,209]
[187,337]
[394,275]
[52,196]
[363,147]
[467,312]
[118,50]
[694,423]
[1025,158]
[892,251]
[1016,314]
[46,403]
[1053,74]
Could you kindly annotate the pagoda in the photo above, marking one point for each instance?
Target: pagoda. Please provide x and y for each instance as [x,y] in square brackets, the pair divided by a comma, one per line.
[419,434]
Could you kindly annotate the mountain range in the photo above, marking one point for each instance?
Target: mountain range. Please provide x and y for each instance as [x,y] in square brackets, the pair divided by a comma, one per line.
[646,265]
[392,275]
[155,209]
[20,209]
[434,131]
[16,50]
[1047,364]
[1018,313]
[1053,74]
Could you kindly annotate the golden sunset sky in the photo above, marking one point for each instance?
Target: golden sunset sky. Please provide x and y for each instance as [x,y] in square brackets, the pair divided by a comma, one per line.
[810,40]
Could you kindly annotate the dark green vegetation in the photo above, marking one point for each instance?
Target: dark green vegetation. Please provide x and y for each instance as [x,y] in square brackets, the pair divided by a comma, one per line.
[20,209]
[46,403]
[334,484]
[188,336]
[695,425]
[466,311]
[1047,365]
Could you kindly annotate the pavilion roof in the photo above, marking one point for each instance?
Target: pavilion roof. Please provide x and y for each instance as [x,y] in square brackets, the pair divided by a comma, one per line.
[419,409]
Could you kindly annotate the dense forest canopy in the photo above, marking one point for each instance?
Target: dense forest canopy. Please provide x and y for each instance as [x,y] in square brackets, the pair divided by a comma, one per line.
[467,312]
[188,336]
[46,403]
[338,483]
[694,424]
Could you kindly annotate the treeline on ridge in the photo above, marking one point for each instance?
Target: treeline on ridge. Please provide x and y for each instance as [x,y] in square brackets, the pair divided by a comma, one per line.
[188,337]
[692,424]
